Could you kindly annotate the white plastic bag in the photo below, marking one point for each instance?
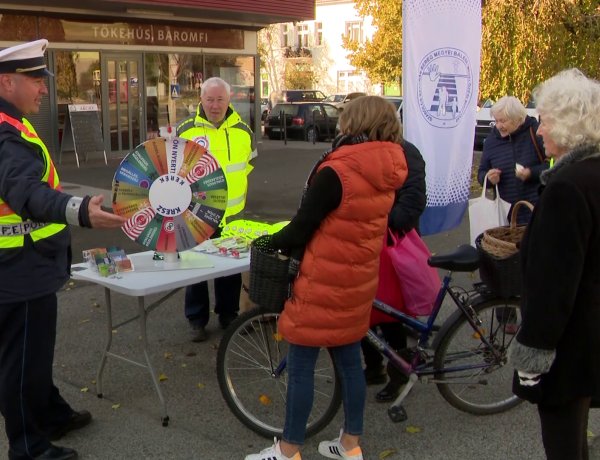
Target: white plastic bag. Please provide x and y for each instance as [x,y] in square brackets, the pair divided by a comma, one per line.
[486,213]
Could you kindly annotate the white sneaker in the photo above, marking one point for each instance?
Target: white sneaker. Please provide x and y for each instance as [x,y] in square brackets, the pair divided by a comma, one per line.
[273,453]
[334,449]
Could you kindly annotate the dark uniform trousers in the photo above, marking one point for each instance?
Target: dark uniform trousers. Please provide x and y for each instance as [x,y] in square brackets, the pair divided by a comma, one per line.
[29,402]
[227,299]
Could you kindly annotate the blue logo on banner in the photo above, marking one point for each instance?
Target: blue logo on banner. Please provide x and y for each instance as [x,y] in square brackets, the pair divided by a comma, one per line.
[445,86]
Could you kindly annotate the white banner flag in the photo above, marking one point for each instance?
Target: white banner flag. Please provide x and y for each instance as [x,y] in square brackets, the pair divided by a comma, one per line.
[440,74]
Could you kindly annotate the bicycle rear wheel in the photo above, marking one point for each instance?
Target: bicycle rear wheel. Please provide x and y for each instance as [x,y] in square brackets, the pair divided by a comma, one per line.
[253,379]
[474,379]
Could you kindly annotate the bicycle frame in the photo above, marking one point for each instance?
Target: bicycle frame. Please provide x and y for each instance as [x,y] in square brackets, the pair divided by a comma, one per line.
[424,328]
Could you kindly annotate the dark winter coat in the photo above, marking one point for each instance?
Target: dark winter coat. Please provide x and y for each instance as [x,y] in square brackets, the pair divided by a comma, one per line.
[33,270]
[503,153]
[411,198]
[560,258]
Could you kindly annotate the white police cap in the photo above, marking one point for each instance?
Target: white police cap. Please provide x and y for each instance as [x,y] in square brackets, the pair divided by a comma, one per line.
[26,58]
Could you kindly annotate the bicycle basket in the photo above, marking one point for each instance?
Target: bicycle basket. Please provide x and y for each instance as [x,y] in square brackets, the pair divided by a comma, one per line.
[502,241]
[502,275]
[269,278]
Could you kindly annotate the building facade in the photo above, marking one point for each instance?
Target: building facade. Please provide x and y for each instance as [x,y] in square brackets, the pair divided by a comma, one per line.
[142,61]
[318,44]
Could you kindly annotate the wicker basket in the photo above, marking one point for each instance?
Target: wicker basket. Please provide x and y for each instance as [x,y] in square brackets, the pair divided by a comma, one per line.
[269,278]
[501,242]
[501,275]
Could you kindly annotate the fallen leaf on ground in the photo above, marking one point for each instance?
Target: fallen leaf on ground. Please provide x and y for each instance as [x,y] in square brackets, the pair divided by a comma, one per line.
[84,390]
[201,386]
[84,321]
[115,406]
[183,365]
[264,399]
[162,377]
[413,429]
[387,453]
[168,355]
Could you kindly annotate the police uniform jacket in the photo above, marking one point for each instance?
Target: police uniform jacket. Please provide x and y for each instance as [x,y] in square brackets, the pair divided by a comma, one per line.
[40,268]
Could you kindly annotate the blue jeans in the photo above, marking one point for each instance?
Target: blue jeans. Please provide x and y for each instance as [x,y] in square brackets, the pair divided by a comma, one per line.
[301,362]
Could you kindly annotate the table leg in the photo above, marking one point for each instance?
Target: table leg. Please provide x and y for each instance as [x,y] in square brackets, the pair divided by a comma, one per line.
[109,338]
[143,315]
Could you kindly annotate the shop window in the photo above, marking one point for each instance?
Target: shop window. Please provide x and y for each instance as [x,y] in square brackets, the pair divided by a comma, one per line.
[238,71]
[77,79]
[172,88]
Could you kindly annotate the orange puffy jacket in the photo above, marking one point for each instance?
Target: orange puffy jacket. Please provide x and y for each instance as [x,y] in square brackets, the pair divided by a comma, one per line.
[336,284]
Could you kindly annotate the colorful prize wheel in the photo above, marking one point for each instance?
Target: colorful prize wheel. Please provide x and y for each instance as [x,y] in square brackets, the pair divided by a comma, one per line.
[173,192]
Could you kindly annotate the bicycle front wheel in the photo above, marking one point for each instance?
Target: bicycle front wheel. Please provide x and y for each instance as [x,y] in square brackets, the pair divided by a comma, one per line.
[474,376]
[251,370]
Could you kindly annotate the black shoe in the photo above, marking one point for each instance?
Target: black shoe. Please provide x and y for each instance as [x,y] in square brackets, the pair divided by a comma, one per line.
[375,376]
[198,334]
[78,420]
[51,453]
[389,392]
[226,320]
[58,453]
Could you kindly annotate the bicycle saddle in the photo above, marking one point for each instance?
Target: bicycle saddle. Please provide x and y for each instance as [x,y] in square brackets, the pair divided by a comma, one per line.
[465,258]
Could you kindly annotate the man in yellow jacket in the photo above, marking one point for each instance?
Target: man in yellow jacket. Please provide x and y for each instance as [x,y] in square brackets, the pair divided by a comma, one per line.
[220,129]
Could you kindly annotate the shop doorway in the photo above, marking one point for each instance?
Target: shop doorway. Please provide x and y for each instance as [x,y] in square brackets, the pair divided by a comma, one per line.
[123,114]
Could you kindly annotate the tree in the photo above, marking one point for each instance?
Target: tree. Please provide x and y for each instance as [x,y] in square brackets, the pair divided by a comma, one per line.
[271,56]
[525,42]
[299,73]
[381,56]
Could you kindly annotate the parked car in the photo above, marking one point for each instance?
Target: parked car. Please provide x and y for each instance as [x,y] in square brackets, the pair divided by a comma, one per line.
[484,122]
[264,108]
[301,95]
[303,120]
[398,103]
[340,99]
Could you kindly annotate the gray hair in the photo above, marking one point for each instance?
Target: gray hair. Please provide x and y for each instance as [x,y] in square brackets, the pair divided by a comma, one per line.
[511,108]
[215,81]
[569,103]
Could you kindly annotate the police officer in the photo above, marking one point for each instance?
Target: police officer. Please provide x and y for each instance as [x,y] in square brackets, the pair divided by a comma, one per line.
[35,257]
[220,129]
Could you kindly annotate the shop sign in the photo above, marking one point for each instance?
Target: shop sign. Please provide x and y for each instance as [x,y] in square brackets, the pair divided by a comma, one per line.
[59,30]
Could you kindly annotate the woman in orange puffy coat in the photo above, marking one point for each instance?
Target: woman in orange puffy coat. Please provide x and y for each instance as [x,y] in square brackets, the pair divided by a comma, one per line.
[339,228]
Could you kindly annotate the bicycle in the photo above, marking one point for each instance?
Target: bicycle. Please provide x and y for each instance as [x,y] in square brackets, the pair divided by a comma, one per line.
[466,359]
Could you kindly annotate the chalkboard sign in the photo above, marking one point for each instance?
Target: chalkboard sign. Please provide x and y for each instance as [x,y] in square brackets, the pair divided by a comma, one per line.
[82,132]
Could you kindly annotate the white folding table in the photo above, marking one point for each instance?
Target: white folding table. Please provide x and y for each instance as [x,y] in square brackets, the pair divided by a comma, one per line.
[142,283]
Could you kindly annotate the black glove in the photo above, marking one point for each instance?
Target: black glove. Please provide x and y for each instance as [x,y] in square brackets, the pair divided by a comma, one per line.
[264,243]
[528,386]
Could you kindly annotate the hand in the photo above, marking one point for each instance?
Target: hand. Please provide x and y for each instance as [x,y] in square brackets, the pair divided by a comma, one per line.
[102,219]
[523,173]
[527,386]
[494,176]
[528,379]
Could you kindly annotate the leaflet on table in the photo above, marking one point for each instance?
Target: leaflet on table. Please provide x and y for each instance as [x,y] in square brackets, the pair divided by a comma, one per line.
[236,247]
[108,261]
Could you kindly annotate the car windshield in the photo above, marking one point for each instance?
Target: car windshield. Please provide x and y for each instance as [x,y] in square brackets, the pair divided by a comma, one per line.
[397,101]
[334,98]
[288,109]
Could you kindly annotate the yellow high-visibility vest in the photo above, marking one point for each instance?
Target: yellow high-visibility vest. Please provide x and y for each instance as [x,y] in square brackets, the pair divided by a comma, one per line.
[7,215]
[232,146]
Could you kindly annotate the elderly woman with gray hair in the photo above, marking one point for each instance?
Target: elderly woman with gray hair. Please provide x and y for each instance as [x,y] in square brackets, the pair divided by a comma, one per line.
[513,157]
[556,350]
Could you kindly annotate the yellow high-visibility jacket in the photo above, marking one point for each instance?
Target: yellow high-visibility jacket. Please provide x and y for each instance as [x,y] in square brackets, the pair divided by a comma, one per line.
[232,144]
[8,218]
